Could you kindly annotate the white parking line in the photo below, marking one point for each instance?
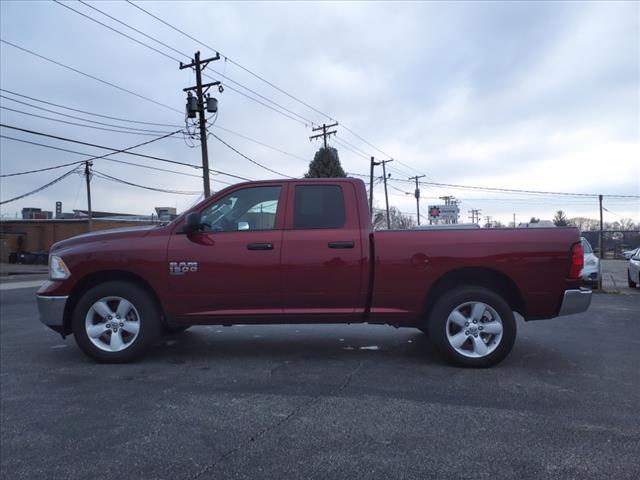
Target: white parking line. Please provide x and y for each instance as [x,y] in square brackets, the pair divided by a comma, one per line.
[16,285]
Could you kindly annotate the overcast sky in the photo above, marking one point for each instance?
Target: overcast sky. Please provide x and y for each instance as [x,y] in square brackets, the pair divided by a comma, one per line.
[536,96]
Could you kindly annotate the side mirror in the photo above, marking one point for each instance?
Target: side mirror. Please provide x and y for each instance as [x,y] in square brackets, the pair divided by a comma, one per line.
[192,223]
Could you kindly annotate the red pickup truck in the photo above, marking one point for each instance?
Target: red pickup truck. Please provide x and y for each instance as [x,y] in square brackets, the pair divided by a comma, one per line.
[303,251]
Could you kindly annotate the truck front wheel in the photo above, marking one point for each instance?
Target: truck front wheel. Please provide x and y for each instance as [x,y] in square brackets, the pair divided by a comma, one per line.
[472,327]
[115,322]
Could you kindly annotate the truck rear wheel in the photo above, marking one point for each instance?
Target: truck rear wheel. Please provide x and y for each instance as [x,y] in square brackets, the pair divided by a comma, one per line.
[472,327]
[116,322]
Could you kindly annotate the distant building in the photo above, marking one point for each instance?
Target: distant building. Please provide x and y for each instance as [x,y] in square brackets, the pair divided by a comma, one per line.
[540,224]
[166,214]
[94,214]
[36,214]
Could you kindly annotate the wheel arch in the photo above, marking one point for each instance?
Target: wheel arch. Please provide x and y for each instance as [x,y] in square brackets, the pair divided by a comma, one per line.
[96,278]
[484,277]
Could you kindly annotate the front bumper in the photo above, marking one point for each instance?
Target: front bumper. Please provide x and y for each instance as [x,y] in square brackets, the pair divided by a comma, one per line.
[52,310]
[575,301]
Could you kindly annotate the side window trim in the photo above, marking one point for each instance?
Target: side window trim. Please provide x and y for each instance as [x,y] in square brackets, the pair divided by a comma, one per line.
[279,215]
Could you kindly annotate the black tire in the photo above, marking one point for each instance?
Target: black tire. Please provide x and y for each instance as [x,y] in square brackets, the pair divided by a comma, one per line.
[174,329]
[631,283]
[149,323]
[437,326]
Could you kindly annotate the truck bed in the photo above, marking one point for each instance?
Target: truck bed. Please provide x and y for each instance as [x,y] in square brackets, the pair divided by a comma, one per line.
[531,263]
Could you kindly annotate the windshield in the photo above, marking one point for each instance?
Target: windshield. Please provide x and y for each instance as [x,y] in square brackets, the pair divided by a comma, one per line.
[586,246]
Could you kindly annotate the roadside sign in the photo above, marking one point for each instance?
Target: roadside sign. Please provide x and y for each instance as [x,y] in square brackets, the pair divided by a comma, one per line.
[444,212]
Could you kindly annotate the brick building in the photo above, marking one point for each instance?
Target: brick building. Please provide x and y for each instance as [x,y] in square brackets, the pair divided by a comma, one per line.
[35,236]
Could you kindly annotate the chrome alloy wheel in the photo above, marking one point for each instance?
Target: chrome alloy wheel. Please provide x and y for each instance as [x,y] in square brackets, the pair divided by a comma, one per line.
[112,324]
[474,329]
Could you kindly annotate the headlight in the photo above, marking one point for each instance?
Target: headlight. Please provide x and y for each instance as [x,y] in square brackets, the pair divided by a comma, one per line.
[57,268]
[591,262]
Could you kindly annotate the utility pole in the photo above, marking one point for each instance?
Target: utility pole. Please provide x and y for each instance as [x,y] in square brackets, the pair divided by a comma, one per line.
[514,219]
[475,215]
[87,177]
[373,164]
[600,245]
[386,194]
[198,104]
[324,133]
[417,195]
[488,218]
[450,200]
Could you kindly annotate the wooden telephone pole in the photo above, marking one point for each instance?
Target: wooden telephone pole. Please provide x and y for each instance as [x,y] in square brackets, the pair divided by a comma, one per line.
[200,104]
[373,165]
[386,194]
[324,133]
[87,177]
[417,194]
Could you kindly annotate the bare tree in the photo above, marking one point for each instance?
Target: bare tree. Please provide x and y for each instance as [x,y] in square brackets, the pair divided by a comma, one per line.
[399,221]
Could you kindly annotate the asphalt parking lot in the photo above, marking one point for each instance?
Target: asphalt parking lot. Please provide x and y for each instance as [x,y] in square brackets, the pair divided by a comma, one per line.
[323,402]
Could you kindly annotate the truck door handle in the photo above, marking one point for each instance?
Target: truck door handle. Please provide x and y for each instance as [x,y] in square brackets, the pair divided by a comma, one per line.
[341,244]
[260,246]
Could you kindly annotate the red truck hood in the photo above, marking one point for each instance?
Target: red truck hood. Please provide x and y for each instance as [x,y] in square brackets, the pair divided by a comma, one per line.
[104,235]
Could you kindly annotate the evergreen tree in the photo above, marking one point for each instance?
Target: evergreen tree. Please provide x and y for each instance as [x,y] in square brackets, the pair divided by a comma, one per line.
[560,219]
[325,164]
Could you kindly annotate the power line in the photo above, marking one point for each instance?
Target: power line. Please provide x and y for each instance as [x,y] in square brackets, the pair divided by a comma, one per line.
[276,88]
[85,111]
[119,180]
[115,152]
[356,149]
[132,28]
[258,142]
[146,130]
[184,54]
[103,157]
[93,77]
[39,169]
[534,192]
[65,139]
[67,122]
[340,142]
[39,189]
[115,30]
[248,158]
[305,121]
[234,62]
[497,189]
[260,102]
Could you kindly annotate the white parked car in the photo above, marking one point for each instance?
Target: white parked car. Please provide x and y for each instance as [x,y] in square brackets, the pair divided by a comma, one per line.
[633,272]
[630,253]
[591,268]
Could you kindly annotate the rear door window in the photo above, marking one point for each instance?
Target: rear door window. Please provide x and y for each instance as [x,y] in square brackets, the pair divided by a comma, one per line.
[318,206]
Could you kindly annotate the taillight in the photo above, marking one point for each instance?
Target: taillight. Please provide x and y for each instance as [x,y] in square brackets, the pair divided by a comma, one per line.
[577,260]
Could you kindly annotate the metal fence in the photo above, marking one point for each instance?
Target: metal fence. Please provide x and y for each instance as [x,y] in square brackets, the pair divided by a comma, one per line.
[614,241]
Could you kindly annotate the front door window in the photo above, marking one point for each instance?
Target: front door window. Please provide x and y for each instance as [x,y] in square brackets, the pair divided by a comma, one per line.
[252,208]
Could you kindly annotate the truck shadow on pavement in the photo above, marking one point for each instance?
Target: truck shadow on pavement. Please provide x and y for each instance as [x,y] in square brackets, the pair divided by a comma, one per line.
[384,344]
